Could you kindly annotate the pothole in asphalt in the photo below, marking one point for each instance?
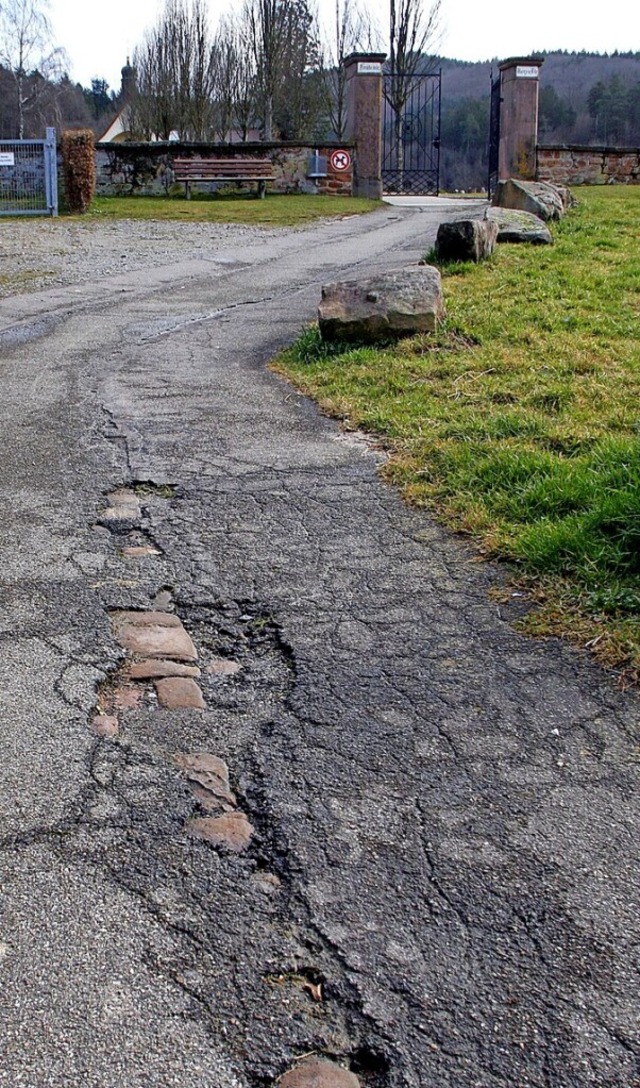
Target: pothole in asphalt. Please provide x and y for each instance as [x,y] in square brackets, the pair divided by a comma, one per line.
[126,517]
[245,660]
[161,671]
[152,489]
[166,816]
[371,1066]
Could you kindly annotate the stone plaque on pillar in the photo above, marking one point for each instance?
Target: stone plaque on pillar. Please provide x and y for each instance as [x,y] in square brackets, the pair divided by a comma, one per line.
[519,86]
[363,73]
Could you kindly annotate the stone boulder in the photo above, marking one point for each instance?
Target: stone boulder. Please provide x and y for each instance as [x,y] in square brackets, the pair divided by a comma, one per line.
[387,306]
[466,240]
[537,197]
[516,226]
[566,196]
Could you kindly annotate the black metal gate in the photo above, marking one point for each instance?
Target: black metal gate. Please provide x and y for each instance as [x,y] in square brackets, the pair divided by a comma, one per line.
[411,134]
[494,134]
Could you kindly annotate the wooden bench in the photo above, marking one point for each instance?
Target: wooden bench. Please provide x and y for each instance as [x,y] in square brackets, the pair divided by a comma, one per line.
[190,170]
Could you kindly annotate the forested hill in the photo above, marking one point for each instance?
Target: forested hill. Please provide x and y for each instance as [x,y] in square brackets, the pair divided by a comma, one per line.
[585,98]
[570,74]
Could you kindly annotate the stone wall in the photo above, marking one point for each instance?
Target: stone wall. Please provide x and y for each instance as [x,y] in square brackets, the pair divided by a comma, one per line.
[589,165]
[145,169]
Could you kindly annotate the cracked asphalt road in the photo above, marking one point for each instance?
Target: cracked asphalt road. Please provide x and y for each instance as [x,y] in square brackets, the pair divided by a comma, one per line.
[446,813]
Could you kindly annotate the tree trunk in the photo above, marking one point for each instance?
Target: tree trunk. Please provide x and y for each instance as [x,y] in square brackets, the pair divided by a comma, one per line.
[399,142]
[19,81]
[267,134]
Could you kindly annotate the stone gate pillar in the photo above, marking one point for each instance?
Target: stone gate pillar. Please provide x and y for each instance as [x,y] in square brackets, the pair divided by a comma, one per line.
[519,84]
[363,72]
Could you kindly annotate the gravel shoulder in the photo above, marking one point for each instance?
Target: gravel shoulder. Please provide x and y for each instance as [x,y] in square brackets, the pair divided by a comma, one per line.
[42,253]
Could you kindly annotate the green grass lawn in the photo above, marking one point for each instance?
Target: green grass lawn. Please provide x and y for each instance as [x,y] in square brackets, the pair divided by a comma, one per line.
[519,422]
[273,211]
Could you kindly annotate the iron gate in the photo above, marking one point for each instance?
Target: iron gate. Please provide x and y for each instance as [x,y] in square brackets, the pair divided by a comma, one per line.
[494,134]
[411,134]
[29,176]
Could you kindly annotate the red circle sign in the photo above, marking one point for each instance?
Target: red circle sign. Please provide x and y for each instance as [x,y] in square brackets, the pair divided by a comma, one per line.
[340,160]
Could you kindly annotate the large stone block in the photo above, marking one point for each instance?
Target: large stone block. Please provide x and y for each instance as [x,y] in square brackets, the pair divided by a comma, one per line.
[565,194]
[514,226]
[393,304]
[466,240]
[537,197]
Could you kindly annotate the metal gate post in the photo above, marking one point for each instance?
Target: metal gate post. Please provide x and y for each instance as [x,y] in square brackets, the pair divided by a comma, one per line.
[51,171]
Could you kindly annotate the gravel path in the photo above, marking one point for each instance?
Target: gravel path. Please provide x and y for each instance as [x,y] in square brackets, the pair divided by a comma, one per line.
[40,253]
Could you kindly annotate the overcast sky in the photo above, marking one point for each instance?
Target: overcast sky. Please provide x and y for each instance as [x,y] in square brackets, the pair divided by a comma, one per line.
[99,36]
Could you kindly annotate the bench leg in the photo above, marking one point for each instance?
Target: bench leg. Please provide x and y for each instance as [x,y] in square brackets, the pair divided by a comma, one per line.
[262,189]
[187,190]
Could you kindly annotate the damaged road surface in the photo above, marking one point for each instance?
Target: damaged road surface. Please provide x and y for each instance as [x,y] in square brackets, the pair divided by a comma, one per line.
[278,781]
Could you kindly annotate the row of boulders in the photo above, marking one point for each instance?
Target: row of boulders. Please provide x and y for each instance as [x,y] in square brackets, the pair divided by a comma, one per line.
[409,300]
[539,198]
[520,213]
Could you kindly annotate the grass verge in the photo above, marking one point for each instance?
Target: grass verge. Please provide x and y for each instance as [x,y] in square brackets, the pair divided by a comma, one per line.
[273,211]
[519,422]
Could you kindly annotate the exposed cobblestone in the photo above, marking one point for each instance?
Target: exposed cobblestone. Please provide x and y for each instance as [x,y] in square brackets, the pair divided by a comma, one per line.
[155,668]
[179,693]
[156,641]
[147,619]
[139,551]
[209,779]
[319,1073]
[231,830]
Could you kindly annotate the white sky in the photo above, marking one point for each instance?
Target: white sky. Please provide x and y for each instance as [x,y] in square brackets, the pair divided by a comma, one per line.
[99,36]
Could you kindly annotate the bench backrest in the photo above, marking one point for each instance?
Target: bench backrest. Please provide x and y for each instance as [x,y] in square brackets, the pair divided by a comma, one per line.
[220,168]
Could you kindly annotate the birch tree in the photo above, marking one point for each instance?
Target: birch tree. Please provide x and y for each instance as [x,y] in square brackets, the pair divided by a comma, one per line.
[27,51]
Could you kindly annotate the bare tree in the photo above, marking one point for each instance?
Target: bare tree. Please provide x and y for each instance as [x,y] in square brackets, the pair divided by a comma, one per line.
[246,80]
[264,61]
[175,74]
[413,36]
[285,49]
[353,29]
[28,53]
[300,97]
[225,67]
[234,78]
[201,72]
[154,108]
[266,23]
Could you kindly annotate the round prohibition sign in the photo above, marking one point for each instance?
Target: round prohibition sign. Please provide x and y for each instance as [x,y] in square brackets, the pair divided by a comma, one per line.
[340,160]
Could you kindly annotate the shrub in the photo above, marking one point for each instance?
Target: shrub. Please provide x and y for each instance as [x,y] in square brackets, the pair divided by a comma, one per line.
[79,169]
